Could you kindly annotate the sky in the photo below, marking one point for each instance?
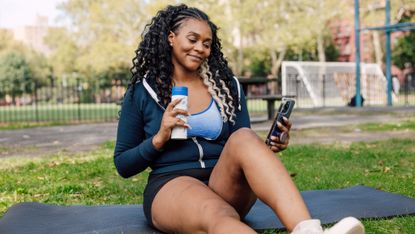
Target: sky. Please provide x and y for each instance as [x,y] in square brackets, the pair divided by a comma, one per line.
[17,13]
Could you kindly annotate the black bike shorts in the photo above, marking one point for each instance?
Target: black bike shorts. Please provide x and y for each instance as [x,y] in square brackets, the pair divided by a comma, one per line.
[157,181]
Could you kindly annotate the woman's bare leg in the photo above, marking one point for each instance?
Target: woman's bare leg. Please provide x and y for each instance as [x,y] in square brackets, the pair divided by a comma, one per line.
[247,167]
[186,205]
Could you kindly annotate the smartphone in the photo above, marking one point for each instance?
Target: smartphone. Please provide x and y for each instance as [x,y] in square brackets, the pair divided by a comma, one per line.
[285,109]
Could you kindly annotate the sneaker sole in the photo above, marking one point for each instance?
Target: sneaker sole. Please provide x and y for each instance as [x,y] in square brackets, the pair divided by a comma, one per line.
[347,225]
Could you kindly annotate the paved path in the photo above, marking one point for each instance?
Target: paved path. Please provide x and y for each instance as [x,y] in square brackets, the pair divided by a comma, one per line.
[75,138]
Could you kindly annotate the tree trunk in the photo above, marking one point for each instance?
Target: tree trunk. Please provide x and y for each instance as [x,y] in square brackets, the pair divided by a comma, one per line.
[377,47]
[322,69]
[240,59]
[276,64]
[320,48]
[276,61]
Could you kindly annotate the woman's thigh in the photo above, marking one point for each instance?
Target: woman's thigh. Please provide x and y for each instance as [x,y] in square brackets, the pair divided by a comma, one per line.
[187,205]
[228,179]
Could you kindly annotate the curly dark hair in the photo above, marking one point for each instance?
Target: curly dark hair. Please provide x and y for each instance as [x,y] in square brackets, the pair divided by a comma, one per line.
[153,56]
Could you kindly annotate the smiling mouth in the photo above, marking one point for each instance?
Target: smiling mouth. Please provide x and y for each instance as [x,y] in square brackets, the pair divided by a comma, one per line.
[196,57]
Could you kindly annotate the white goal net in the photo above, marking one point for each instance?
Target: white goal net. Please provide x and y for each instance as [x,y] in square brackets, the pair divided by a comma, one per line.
[316,84]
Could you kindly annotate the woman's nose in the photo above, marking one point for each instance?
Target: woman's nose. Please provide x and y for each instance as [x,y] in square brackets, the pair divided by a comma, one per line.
[199,47]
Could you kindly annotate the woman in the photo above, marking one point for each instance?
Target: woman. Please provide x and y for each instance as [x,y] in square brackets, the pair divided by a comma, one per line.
[208,182]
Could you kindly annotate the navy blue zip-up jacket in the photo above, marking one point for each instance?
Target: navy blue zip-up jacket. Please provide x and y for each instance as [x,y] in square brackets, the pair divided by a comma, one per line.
[140,120]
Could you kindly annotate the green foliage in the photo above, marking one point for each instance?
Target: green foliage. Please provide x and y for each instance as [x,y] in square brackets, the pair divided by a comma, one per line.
[22,66]
[15,74]
[310,54]
[65,51]
[105,36]
[6,40]
[332,53]
[404,50]
[302,55]
[258,62]
[112,75]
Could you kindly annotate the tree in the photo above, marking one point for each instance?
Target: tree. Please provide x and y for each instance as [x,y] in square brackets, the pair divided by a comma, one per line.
[6,40]
[38,64]
[15,74]
[65,51]
[404,51]
[373,14]
[105,32]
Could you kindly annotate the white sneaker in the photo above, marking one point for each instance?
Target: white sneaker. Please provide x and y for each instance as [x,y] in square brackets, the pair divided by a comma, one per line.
[349,225]
[310,226]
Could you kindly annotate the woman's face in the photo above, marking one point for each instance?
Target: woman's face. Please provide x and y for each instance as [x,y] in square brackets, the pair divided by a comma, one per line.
[191,44]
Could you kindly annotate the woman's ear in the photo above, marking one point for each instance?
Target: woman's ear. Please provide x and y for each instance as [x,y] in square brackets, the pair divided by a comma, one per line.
[171,38]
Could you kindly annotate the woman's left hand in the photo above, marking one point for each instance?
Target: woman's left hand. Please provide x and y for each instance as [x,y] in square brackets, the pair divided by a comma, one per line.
[276,145]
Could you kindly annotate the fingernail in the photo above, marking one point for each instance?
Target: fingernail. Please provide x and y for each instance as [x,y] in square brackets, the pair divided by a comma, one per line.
[188,126]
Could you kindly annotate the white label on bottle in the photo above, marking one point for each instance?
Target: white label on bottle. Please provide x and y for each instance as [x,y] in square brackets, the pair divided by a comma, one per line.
[180,132]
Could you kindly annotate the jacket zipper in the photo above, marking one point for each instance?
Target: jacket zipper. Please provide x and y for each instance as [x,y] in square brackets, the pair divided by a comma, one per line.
[199,147]
[154,96]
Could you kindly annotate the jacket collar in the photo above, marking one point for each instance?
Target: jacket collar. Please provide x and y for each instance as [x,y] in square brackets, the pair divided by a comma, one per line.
[157,99]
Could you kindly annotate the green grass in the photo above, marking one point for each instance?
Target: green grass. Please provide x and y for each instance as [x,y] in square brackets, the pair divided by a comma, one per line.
[59,113]
[84,178]
[375,164]
[401,125]
[91,178]
[408,124]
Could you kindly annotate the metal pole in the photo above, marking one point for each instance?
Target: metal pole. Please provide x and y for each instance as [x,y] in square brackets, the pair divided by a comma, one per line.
[357,48]
[78,92]
[324,91]
[388,54]
[297,82]
[36,107]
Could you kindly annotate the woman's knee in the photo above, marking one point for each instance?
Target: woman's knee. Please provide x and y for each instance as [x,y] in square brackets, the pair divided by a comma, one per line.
[243,135]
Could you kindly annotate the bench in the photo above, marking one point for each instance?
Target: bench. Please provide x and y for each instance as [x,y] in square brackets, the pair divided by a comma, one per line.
[270,99]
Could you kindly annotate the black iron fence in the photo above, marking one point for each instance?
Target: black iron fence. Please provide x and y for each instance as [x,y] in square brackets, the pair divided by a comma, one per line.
[86,101]
[80,101]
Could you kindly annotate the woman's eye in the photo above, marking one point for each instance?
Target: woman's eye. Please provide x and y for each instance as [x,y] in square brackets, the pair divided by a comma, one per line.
[207,46]
[192,40]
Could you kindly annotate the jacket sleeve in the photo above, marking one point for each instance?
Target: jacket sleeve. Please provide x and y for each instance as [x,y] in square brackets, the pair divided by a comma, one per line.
[133,153]
[242,117]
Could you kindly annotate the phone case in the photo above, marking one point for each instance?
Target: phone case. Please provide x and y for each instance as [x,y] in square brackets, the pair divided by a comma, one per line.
[285,109]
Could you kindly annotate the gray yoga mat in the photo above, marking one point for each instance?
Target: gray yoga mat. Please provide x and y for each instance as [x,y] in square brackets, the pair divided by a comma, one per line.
[327,205]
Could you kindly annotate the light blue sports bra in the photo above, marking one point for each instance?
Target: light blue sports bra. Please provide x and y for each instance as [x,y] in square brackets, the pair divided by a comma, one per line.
[206,124]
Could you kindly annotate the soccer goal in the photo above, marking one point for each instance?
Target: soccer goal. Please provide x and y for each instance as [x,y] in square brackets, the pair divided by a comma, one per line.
[317,84]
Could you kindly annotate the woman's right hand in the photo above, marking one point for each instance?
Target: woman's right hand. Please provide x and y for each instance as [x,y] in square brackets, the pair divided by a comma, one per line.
[168,122]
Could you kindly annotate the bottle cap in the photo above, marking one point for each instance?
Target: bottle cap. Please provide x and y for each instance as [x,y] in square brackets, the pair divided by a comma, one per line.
[179,90]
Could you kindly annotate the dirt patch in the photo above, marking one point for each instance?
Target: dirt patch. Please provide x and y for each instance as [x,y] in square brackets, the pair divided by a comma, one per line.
[48,140]
[308,127]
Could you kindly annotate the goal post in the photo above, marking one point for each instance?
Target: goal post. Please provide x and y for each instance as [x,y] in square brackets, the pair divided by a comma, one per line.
[317,84]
